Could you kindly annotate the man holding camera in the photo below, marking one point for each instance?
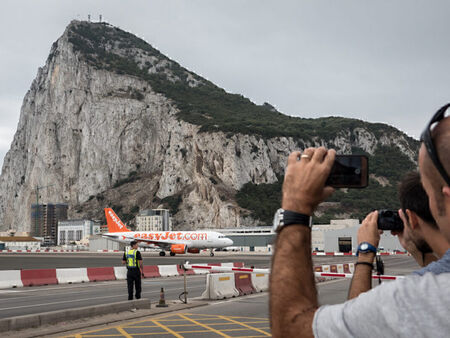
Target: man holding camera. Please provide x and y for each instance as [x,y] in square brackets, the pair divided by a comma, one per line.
[413,306]
[420,236]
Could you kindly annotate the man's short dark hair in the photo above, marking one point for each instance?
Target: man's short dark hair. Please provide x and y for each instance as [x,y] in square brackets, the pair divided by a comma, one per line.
[132,243]
[413,197]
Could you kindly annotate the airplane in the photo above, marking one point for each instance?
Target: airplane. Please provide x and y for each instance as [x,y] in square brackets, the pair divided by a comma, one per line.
[177,242]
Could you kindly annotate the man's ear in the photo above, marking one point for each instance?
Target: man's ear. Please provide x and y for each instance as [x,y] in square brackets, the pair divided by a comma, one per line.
[446,193]
[413,220]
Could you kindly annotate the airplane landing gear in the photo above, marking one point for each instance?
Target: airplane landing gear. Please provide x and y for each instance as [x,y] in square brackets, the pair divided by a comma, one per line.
[172,253]
[162,253]
[211,253]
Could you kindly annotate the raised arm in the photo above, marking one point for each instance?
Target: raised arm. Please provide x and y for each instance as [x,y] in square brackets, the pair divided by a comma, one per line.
[293,295]
[362,276]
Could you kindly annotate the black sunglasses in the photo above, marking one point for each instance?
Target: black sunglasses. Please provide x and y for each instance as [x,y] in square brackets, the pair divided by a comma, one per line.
[429,145]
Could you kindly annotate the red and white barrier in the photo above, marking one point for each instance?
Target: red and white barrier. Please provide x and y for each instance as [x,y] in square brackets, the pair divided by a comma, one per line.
[39,251]
[260,281]
[72,275]
[168,270]
[10,279]
[220,286]
[354,254]
[350,275]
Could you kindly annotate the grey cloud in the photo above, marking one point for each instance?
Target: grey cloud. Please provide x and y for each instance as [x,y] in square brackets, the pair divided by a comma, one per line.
[383,61]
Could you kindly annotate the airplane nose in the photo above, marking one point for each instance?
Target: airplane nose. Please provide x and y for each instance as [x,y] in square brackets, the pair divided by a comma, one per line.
[229,242]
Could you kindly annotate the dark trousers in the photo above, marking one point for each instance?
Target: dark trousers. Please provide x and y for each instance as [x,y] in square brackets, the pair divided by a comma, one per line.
[134,277]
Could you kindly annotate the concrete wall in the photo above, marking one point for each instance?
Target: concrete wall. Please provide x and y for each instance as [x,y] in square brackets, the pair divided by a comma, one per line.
[252,240]
[99,243]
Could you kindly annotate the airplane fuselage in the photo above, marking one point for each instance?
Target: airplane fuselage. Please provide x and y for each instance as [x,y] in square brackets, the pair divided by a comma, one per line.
[192,239]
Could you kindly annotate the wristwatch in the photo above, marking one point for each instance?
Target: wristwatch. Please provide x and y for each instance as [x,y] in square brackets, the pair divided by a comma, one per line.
[365,247]
[284,218]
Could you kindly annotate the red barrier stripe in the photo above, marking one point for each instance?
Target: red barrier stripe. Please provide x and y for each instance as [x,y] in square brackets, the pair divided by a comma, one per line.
[324,274]
[243,283]
[101,274]
[151,271]
[35,277]
[242,269]
[201,267]
[384,277]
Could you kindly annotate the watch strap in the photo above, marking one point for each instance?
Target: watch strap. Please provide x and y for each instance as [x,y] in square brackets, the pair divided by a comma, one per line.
[370,248]
[292,217]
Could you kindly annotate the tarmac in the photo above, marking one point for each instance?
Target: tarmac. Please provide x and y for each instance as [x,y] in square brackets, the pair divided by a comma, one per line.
[58,322]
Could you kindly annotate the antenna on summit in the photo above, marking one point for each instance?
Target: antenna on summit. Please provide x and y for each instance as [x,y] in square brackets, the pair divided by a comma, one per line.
[100,18]
[89,18]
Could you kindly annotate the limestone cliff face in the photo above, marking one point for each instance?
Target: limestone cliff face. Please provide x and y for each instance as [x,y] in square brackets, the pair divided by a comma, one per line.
[97,138]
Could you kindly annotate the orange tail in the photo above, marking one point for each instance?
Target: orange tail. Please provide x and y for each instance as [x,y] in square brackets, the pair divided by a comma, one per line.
[113,221]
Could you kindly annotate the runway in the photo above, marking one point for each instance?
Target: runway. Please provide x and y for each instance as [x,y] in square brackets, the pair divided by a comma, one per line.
[400,264]
[29,300]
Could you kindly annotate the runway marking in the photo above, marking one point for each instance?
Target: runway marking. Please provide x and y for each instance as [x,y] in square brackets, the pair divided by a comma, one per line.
[173,324]
[167,329]
[124,333]
[243,324]
[203,325]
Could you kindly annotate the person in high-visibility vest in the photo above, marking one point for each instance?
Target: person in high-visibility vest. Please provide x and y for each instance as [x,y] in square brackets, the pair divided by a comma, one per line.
[133,260]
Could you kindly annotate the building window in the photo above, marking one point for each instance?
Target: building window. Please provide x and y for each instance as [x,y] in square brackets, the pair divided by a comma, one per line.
[62,237]
[79,234]
[70,235]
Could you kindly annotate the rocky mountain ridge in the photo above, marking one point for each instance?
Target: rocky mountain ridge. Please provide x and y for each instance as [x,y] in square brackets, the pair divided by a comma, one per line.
[110,121]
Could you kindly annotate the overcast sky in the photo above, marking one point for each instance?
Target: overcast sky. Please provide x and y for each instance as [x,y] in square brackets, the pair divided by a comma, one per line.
[380,61]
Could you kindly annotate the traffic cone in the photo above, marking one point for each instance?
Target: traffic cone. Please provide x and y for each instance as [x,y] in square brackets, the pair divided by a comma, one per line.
[162,301]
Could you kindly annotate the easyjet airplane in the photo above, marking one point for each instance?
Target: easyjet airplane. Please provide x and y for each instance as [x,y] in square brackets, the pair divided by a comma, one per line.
[177,242]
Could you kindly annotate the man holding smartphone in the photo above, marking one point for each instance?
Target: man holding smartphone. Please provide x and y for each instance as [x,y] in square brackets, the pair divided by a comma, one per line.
[410,307]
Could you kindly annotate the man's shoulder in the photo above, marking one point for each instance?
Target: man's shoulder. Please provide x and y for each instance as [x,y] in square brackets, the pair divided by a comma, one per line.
[442,265]
[406,300]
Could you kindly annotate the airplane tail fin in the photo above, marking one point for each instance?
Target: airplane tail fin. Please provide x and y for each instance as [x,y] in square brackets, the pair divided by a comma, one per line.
[113,221]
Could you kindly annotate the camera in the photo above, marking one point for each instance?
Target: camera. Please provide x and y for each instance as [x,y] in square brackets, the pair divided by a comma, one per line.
[389,220]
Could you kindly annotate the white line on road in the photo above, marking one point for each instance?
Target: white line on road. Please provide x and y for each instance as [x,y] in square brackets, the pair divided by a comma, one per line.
[90,298]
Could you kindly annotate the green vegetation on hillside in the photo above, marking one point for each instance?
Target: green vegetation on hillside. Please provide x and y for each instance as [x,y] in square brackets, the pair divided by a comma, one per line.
[264,199]
[206,104]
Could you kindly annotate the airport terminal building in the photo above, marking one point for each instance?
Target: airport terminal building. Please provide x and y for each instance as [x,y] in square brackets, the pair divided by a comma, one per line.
[338,236]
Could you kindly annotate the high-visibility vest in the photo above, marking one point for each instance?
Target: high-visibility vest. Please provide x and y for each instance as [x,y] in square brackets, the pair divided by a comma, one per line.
[131,259]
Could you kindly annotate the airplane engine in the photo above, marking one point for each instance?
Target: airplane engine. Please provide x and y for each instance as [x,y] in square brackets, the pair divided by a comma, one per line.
[193,250]
[178,248]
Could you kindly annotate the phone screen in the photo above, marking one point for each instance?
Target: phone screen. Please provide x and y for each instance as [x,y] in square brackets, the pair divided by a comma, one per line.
[349,171]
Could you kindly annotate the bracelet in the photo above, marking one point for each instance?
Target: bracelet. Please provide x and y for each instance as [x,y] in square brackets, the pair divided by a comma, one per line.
[365,263]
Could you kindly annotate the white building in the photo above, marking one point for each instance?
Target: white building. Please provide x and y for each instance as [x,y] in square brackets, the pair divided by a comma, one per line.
[342,236]
[154,220]
[19,243]
[319,230]
[75,230]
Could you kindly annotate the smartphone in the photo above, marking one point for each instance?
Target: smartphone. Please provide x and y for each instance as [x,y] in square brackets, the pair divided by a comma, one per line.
[349,171]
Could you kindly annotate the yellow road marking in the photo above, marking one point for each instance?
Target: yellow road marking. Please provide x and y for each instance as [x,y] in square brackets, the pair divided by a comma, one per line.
[167,329]
[123,332]
[102,335]
[233,323]
[243,324]
[197,314]
[140,326]
[204,325]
